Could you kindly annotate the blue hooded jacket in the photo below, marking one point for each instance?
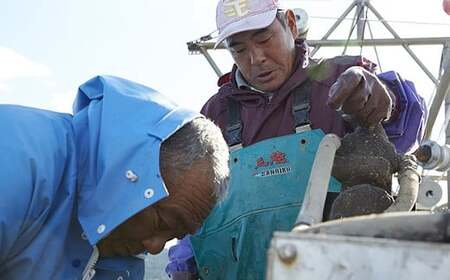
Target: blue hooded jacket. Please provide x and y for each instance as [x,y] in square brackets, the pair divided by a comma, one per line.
[67,181]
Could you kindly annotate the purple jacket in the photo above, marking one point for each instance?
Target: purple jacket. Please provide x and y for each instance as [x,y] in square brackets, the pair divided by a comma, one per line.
[263,119]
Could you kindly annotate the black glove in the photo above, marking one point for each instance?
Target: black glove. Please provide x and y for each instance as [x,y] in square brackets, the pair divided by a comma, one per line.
[362,95]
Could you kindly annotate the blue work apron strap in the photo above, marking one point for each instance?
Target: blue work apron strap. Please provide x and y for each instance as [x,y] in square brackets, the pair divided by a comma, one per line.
[234,126]
[301,105]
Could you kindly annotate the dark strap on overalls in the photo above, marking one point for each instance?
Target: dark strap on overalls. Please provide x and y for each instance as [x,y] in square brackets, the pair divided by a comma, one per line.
[301,105]
[234,125]
[300,111]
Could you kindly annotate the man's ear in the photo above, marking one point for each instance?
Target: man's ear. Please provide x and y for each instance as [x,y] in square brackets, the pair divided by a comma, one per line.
[291,22]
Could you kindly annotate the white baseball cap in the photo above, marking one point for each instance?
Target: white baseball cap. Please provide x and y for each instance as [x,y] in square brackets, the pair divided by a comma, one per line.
[234,16]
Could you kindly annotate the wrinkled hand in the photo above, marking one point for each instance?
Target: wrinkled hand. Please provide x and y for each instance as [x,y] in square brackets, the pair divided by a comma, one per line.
[361,94]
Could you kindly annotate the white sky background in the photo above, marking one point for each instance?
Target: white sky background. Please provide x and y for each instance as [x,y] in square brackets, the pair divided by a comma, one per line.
[49,47]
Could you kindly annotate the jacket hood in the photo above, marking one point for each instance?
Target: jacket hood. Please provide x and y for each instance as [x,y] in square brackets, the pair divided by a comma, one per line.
[119,126]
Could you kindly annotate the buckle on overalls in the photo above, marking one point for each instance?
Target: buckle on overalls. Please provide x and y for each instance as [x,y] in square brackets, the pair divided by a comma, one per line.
[303,128]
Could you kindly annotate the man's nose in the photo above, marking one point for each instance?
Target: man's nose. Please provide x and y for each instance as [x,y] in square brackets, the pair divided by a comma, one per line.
[257,56]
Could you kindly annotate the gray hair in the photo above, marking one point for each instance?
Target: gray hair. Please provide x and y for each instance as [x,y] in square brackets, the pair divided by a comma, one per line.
[198,141]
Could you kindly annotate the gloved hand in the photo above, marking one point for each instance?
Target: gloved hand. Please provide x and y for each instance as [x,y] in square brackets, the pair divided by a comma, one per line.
[362,95]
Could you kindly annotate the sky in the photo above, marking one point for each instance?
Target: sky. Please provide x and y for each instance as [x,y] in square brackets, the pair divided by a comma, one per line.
[50,47]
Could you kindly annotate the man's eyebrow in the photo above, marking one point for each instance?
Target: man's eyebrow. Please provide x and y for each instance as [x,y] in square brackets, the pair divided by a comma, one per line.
[232,43]
[259,31]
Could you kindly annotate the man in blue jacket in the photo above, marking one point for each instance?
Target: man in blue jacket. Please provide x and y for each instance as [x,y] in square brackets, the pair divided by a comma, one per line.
[83,196]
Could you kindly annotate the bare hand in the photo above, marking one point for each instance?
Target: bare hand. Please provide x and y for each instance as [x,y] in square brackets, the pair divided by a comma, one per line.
[362,95]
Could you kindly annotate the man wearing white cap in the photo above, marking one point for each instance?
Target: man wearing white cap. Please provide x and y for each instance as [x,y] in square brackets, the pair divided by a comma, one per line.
[275,89]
